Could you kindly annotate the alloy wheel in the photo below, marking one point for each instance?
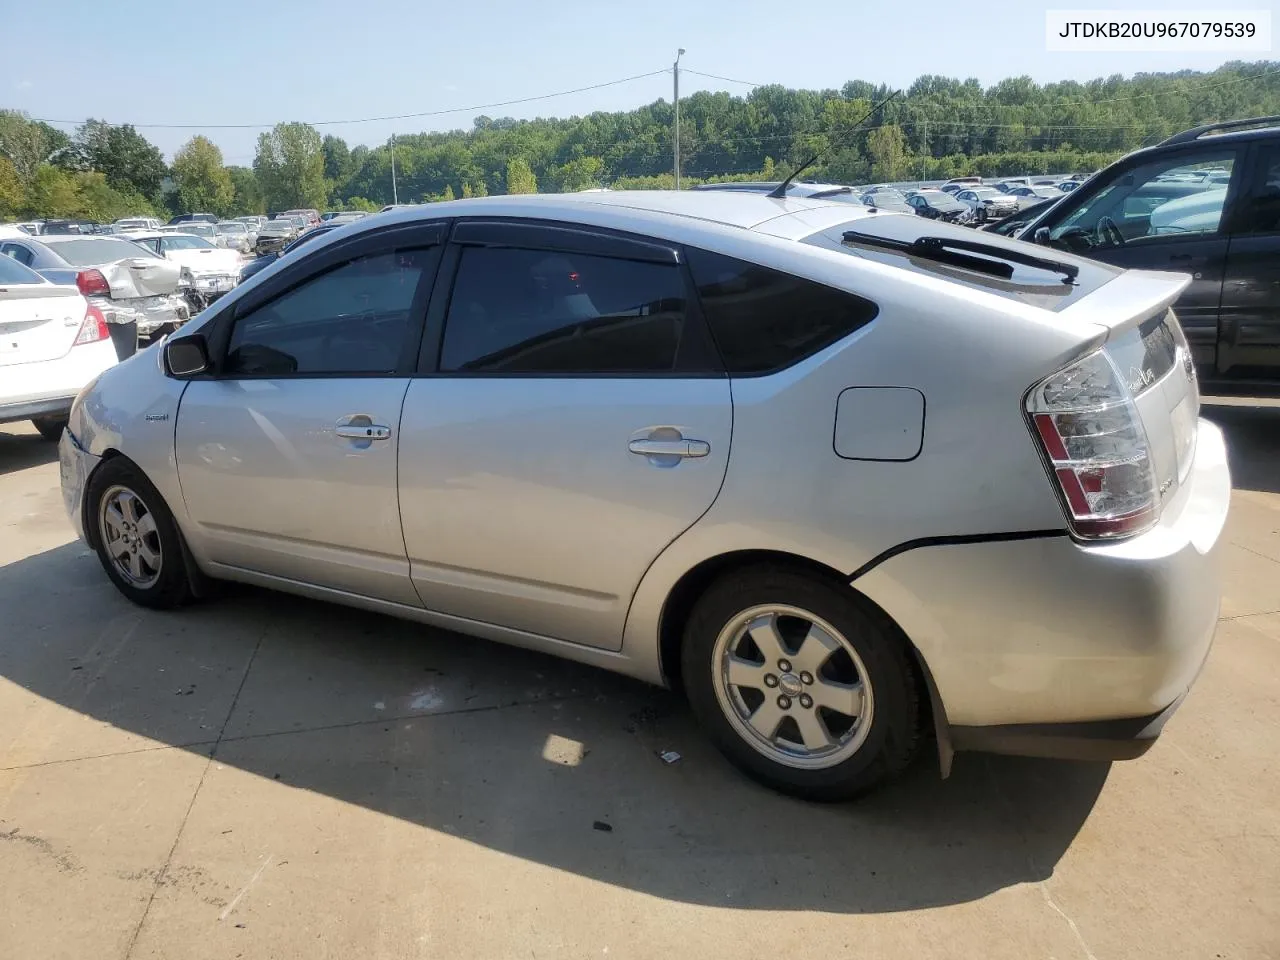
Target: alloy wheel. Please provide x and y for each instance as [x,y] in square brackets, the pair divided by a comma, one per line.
[129,536]
[792,686]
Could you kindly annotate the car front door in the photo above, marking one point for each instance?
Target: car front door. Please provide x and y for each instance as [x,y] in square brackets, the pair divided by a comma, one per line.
[1249,344]
[574,420]
[287,452]
[1157,215]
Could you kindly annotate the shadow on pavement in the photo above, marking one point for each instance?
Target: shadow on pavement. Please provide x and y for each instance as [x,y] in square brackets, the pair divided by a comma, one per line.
[1253,442]
[517,752]
[19,450]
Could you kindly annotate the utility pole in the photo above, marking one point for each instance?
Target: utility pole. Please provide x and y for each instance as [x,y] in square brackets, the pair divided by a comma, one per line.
[675,137]
[395,196]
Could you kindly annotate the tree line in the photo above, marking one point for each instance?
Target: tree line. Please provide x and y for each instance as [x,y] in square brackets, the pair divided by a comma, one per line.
[940,127]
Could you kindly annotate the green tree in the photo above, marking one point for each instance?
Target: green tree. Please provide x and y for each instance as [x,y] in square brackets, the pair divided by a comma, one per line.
[129,161]
[27,145]
[337,159]
[203,182]
[290,165]
[887,149]
[53,193]
[247,195]
[580,173]
[11,193]
[520,178]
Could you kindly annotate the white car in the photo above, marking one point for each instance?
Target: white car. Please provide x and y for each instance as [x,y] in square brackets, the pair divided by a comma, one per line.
[135,223]
[211,270]
[207,230]
[52,343]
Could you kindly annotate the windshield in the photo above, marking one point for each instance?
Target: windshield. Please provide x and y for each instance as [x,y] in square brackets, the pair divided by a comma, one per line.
[179,242]
[89,251]
[232,226]
[986,193]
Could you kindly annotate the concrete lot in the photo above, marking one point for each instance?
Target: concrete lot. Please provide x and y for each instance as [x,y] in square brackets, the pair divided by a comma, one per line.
[266,777]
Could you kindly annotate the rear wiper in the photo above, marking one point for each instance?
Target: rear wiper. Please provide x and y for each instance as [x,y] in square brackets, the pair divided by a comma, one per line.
[940,249]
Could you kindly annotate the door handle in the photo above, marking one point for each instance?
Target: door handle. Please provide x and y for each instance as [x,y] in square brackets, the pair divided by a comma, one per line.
[361,427]
[669,448]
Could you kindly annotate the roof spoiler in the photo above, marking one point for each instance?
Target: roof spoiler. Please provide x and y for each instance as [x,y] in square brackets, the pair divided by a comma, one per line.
[1226,126]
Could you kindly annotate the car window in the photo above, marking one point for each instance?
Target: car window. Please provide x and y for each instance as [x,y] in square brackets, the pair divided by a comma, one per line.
[535,311]
[1260,213]
[351,319]
[90,251]
[763,320]
[16,252]
[13,272]
[1166,197]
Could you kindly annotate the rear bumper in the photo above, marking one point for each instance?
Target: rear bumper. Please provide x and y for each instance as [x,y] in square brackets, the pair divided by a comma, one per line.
[1052,647]
[52,407]
[1097,740]
[150,313]
[47,387]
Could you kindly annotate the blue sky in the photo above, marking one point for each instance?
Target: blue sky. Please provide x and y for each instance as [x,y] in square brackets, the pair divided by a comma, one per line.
[231,62]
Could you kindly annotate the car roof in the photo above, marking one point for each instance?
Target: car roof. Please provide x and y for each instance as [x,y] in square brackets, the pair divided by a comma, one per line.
[733,208]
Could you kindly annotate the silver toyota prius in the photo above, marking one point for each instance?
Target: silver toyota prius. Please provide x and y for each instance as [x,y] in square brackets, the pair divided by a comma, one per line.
[851,480]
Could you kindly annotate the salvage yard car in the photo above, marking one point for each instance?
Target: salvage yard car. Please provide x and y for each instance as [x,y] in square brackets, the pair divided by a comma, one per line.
[1207,202]
[135,289]
[274,235]
[842,476]
[211,270]
[52,343]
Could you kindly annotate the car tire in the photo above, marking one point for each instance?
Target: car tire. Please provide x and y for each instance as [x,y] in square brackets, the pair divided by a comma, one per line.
[50,427]
[135,536]
[856,660]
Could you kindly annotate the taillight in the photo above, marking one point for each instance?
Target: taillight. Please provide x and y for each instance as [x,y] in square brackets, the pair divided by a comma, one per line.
[93,328]
[92,282]
[1089,428]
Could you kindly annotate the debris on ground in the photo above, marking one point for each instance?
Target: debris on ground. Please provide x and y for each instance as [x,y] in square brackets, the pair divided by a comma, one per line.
[668,756]
[602,827]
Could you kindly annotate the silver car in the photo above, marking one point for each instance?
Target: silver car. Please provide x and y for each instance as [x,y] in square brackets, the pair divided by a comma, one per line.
[235,235]
[846,478]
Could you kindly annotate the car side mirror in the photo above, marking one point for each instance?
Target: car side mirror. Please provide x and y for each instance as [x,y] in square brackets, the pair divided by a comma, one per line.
[1041,236]
[187,356]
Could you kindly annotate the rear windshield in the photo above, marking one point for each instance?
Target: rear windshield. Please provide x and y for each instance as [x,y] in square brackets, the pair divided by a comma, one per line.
[86,252]
[1030,285]
[179,242]
[12,272]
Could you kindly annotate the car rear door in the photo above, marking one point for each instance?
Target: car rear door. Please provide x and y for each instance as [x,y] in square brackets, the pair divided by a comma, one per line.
[1249,341]
[287,452]
[573,419]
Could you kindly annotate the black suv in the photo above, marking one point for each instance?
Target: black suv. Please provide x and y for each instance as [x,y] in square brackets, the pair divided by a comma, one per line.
[1204,202]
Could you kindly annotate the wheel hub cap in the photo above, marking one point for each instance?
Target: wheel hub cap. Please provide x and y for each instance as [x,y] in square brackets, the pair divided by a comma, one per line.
[789,684]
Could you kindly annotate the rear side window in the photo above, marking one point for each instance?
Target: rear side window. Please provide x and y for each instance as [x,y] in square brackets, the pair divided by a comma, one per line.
[546,312]
[11,272]
[764,320]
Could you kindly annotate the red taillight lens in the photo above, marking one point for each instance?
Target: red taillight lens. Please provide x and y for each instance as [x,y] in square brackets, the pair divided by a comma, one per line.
[92,282]
[93,328]
[1092,436]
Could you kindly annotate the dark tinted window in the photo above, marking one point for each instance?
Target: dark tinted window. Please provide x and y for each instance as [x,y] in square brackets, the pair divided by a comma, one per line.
[763,320]
[352,319]
[1260,213]
[21,254]
[539,311]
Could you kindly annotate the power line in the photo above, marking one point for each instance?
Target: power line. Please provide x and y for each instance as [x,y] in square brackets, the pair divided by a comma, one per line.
[712,76]
[399,116]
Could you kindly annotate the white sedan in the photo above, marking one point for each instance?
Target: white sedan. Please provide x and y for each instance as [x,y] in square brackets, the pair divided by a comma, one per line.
[211,270]
[52,343]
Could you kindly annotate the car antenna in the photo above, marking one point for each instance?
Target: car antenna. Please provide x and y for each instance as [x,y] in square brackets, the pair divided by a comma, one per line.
[780,191]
